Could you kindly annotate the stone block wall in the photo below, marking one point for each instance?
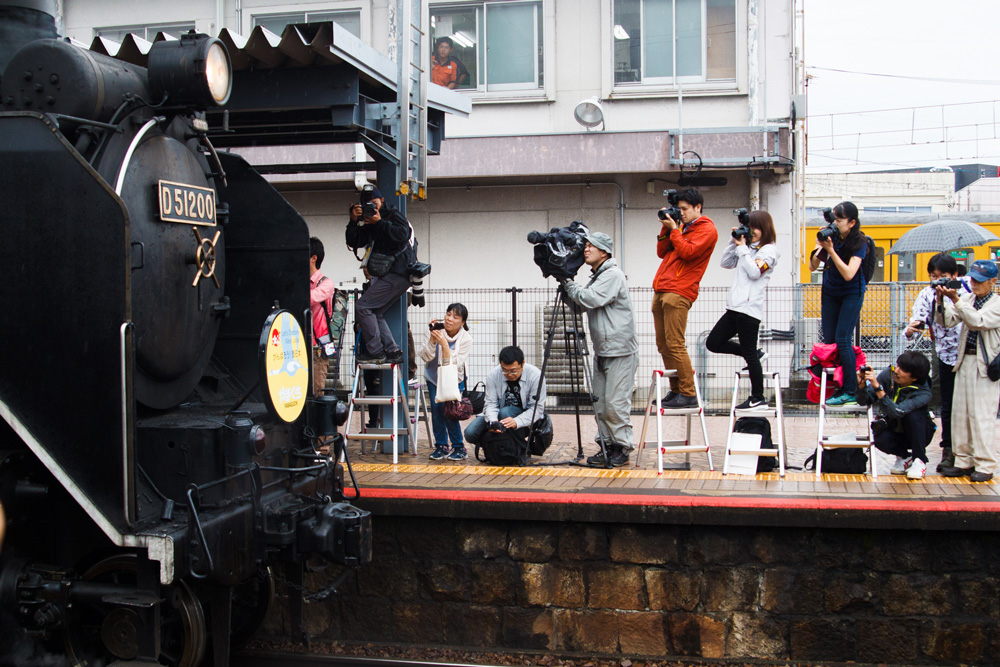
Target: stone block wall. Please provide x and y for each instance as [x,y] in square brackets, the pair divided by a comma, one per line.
[920,597]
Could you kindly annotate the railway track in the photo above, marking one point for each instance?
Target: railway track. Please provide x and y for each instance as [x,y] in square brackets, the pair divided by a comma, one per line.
[290,659]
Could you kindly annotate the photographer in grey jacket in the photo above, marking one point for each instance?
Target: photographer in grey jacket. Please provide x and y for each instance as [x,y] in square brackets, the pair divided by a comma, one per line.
[616,349]
[901,396]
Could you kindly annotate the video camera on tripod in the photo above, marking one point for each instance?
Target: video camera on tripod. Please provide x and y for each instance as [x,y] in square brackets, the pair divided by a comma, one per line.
[559,253]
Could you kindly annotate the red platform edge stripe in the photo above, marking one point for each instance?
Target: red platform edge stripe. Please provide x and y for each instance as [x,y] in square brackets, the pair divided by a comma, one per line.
[683,501]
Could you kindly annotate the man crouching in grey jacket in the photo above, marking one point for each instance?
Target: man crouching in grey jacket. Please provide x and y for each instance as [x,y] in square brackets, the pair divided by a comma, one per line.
[616,348]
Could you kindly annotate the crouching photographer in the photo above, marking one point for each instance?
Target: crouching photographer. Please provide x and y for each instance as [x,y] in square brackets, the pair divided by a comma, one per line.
[515,395]
[904,425]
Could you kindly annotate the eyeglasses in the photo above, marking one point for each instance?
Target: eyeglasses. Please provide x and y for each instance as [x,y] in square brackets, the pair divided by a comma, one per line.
[513,372]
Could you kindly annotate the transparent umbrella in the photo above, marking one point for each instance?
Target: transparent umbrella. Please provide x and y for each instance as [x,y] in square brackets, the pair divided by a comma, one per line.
[941,236]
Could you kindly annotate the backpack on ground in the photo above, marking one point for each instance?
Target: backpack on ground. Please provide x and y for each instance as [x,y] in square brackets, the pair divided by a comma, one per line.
[502,447]
[762,427]
[870,261]
[846,461]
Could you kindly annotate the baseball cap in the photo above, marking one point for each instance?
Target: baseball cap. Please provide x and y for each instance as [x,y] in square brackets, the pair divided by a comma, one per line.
[983,270]
[601,241]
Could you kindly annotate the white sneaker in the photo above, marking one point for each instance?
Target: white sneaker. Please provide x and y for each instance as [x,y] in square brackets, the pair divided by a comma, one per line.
[900,466]
[916,470]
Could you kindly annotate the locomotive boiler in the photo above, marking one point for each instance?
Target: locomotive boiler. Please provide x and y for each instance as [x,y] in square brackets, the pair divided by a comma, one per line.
[159,444]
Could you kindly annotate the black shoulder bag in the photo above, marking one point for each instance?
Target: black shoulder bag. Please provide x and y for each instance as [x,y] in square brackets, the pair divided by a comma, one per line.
[992,367]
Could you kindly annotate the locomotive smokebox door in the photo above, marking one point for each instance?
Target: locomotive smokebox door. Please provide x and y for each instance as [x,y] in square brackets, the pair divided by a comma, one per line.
[181,276]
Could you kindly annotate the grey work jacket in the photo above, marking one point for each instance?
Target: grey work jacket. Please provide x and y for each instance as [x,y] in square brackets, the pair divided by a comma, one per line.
[985,321]
[609,310]
[496,385]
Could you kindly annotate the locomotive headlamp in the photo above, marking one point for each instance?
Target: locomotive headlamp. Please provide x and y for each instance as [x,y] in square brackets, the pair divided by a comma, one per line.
[192,71]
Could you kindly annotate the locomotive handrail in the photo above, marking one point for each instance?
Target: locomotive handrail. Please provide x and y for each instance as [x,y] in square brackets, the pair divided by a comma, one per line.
[196,523]
[131,149]
[126,424]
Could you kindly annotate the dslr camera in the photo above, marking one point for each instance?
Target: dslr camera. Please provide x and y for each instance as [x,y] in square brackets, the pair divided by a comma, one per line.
[672,210]
[743,231]
[947,283]
[829,230]
[368,209]
[879,425]
[559,252]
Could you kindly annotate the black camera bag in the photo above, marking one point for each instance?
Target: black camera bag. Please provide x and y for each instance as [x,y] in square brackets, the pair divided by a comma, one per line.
[502,447]
[761,427]
[846,461]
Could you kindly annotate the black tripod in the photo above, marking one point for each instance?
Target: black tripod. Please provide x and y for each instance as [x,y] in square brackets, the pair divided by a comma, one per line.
[575,349]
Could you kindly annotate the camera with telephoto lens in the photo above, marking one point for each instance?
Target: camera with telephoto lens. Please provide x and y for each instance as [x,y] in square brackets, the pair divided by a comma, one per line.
[672,211]
[947,283]
[743,231]
[830,229]
[559,253]
[416,272]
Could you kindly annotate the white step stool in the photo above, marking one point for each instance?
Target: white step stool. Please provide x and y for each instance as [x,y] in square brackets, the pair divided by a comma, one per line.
[776,411]
[673,446]
[824,442]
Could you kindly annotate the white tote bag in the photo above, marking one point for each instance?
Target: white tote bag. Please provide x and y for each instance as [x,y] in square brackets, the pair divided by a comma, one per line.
[447,384]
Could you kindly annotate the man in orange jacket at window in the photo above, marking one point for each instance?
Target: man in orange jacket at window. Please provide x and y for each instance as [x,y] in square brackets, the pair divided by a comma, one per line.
[685,248]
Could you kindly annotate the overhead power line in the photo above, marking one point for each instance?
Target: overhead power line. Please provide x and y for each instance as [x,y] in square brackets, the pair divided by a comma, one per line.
[975,82]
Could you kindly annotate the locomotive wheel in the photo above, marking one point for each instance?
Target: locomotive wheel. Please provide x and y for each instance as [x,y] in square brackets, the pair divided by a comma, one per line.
[251,602]
[97,635]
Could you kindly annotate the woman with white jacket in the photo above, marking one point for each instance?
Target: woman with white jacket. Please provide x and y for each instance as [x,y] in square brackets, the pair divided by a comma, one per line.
[754,262]
[448,342]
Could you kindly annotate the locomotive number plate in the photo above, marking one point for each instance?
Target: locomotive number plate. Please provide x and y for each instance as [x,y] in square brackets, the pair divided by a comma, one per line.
[189,204]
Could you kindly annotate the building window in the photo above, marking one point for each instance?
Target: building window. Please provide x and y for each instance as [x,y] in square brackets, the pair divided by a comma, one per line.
[147,32]
[348,20]
[498,43]
[666,42]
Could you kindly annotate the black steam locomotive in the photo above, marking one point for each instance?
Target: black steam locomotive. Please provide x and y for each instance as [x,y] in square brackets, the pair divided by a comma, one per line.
[159,445]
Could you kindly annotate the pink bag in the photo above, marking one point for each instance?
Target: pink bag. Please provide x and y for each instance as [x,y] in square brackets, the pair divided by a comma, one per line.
[824,355]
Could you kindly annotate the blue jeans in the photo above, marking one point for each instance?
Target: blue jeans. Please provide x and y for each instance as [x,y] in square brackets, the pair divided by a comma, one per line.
[444,427]
[474,433]
[839,316]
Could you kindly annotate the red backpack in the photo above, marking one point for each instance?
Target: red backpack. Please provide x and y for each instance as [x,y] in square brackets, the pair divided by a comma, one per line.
[824,355]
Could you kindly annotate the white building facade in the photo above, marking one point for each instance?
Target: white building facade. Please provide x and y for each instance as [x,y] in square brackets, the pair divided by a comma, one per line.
[703,85]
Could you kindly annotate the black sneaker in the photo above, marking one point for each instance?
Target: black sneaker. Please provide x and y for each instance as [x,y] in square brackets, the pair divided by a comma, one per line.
[598,460]
[619,458]
[681,402]
[753,403]
[671,395]
[369,358]
[394,357]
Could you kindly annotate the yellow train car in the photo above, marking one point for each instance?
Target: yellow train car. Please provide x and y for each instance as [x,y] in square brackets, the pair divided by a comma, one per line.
[887,228]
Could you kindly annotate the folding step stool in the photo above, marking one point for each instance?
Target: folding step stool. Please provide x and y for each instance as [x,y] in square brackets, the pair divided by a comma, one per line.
[360,399]
[673,446]
[776,412]
[860,442]
[419,408]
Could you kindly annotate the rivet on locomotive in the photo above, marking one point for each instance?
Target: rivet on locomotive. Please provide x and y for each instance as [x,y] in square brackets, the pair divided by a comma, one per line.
[159,447]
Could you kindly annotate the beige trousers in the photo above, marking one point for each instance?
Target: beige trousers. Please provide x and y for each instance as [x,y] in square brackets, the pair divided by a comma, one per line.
[973,416]
[670,316]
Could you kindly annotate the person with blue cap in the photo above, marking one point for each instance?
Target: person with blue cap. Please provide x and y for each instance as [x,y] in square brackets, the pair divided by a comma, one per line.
[391,249]
[606,299]
[974,409]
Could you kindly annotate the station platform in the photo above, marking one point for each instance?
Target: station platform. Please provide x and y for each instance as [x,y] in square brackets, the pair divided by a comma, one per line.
[553,489]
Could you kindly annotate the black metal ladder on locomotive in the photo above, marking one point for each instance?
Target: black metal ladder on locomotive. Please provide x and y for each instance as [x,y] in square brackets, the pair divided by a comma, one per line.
[361,400]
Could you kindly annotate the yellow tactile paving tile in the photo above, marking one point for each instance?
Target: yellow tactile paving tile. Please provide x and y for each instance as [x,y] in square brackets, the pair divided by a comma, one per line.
[445,472]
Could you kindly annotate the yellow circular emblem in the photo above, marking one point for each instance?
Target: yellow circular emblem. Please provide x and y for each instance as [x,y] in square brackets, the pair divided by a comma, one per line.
[285,365]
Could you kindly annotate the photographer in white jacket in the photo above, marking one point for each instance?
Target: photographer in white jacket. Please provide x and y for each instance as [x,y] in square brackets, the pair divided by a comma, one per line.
[754,259]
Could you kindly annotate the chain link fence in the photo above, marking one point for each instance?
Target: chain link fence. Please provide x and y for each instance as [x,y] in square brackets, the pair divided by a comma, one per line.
[789,328]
